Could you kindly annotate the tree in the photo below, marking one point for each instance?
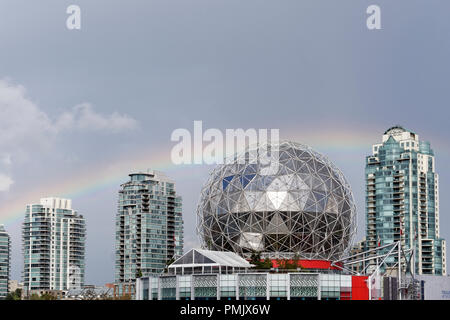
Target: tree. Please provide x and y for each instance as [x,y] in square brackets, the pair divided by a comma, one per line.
[255,259]
[139,273]
[267,264]
[15,295]
[35,296]
[44,296]
[169,262]
[47,296]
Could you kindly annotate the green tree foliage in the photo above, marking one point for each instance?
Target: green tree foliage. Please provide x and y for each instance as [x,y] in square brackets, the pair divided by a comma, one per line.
[255,259]
[47,296]
[16,295]
[44,296]
[35,296]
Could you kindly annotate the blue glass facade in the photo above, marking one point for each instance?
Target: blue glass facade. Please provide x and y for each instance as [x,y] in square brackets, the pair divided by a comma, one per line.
[149,226]
[402,199]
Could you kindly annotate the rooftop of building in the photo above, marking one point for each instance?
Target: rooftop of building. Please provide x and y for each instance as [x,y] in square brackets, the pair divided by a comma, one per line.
[2,228]
[199,257]
[149,175]
[396,129]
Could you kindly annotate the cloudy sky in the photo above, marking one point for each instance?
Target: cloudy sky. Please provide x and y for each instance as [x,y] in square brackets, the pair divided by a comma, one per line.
[80,109]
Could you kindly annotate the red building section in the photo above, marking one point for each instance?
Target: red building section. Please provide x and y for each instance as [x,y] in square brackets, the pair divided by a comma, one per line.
[360,290]
[306,264]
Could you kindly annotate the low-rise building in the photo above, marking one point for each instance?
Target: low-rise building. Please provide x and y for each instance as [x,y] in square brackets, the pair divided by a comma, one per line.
[213,275]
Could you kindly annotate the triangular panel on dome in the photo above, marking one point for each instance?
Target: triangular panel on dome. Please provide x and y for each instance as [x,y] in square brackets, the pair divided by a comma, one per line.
[301,197]
[226,181]
[232,200]
[283,170]
[234,185]
[252,198]
[222,206]
[298,183]
[290,202]
[241,204]
[245,179]
[290,166]
[278,184]
[317,183]
[321,200]
[284,156]
[254,224]
[250,169]
[310,205]
[276,197]
[264,204]
[232,226]
[207,206]
[332,205]
[252,241]
[277,225]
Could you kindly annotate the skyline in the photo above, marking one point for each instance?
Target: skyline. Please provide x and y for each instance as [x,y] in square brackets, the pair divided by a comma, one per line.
[311,69]
[87,189]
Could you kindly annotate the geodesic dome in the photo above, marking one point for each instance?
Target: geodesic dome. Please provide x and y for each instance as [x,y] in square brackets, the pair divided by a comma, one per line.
[296,205]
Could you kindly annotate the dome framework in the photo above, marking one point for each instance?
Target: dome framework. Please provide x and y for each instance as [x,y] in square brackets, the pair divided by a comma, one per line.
[301,207]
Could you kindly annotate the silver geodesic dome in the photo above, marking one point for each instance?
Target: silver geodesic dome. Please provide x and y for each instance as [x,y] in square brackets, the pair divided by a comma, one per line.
[297,204]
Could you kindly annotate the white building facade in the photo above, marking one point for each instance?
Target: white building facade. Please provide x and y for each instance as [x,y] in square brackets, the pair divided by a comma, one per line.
[5,255]
[53,239]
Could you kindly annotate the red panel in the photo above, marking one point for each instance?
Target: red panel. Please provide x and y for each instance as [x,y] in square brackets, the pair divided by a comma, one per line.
[360,290]
[346,295]
[308,264]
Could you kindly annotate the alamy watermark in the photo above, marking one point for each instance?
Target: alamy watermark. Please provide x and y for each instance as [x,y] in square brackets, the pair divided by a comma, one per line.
[73,21]
[212,146]
[373,22]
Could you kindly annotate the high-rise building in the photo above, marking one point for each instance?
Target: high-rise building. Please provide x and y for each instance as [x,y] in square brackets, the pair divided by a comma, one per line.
[402,199]
[53,246]
[357,253]
[5,254]
[149,226]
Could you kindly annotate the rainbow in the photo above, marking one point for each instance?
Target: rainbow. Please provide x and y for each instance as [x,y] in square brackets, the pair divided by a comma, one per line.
[84,181]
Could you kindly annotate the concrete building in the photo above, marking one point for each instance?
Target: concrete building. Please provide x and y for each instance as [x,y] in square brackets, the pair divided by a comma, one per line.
[149,226]
[53,246]
[5,256]
[214,275]
[358,248]
[435,287]
[402,199]
[14,285]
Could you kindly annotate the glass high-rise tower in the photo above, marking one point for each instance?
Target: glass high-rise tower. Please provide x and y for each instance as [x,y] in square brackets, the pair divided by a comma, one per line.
[53,238]
[402,199]
[149,226]
[5,255]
